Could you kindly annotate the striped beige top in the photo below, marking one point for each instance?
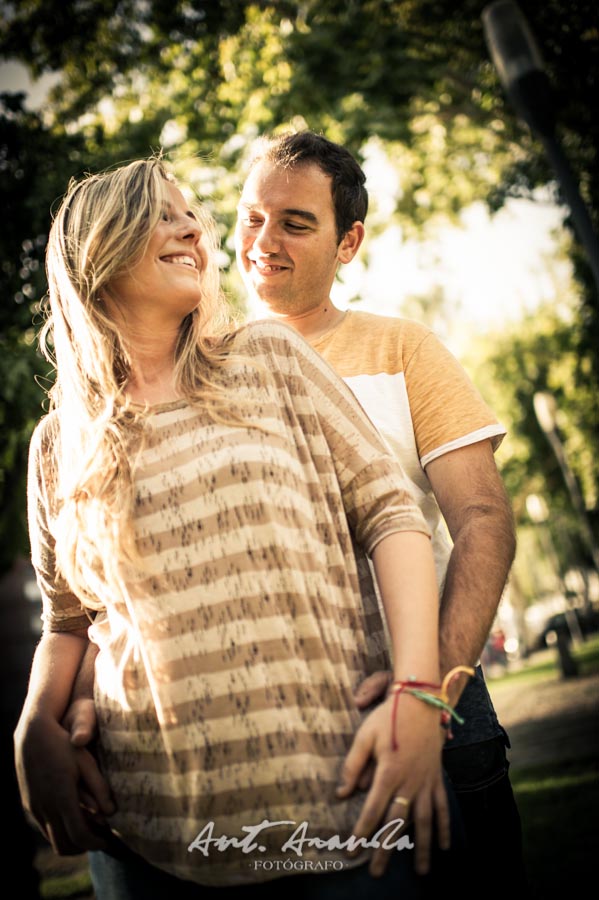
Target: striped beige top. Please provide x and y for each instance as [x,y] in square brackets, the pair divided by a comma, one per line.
[225,676]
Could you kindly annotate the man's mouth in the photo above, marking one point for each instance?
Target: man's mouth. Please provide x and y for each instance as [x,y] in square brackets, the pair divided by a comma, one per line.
[268,268]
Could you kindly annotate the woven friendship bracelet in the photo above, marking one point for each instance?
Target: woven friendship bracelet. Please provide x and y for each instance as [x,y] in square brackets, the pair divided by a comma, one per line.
[419,690]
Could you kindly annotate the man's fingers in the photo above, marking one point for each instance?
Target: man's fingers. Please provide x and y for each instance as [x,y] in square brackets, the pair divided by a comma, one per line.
[94,784]
[366,777]
[442,816]
[89,805]
[355,762]
[60,843]
[36,823]
[372,689]
[68,831]
[83,833]
[80,722]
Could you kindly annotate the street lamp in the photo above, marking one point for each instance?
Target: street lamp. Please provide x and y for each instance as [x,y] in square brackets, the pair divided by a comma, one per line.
[545,410]
[539,514]
[520,67]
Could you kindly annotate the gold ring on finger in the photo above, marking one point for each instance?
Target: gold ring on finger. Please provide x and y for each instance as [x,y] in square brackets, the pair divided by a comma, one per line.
[402,800]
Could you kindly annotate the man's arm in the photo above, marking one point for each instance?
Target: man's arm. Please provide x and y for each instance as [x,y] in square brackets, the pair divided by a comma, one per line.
[472,498]
[474,503]
[50,770]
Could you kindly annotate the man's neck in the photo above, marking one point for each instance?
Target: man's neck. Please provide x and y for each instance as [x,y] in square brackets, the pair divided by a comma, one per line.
[314,323]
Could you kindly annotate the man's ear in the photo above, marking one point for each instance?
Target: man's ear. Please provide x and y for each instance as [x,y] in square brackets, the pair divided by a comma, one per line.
[350,243]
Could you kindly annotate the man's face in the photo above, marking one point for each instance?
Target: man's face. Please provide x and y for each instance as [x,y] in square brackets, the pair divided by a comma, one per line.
[286,238]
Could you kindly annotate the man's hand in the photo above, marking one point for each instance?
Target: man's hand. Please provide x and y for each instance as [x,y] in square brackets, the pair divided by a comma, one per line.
[61,786]
[80,721]
[80,718]
[373,689]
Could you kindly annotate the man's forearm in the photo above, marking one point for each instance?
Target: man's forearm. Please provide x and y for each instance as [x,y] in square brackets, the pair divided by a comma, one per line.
[57,780]
[55,664]
[476,575]
[475,505]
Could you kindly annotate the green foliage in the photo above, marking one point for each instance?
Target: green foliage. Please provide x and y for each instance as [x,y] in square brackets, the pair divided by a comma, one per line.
[31,177]
[202,78]
[542,354]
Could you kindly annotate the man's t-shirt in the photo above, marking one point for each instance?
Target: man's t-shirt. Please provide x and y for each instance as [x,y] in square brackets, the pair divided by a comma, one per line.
[424,405]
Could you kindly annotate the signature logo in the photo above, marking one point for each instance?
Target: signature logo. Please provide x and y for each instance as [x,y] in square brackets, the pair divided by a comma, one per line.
[386,838]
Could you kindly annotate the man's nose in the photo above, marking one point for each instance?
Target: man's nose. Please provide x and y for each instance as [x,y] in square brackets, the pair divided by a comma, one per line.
[267,239]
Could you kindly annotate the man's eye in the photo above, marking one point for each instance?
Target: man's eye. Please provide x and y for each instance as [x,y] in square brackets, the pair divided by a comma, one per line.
[296,226]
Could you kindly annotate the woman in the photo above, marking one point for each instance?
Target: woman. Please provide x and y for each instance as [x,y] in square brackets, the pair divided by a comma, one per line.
[205,497]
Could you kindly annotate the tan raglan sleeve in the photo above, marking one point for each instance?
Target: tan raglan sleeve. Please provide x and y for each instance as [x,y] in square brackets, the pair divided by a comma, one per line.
[447,410]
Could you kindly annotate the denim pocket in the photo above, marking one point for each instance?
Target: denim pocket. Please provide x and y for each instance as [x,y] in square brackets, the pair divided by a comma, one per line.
[476,766]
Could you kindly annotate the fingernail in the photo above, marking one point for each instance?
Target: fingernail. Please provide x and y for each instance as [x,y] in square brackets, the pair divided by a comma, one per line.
[90,808]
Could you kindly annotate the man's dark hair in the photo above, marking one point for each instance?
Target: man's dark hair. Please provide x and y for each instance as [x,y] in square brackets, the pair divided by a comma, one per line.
[350,198]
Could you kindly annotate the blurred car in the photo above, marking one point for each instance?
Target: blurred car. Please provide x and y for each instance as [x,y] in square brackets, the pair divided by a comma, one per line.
[559,624]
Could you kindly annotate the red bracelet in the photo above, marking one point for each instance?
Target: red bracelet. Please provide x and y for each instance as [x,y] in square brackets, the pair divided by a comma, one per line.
[412,686]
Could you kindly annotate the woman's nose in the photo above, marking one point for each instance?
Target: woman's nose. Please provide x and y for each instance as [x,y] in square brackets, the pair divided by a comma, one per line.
[189,229]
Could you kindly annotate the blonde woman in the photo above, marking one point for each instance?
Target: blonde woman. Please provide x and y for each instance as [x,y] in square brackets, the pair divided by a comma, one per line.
[201,502]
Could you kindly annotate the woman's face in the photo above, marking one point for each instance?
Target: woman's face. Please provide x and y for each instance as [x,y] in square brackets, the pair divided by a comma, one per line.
[164,286]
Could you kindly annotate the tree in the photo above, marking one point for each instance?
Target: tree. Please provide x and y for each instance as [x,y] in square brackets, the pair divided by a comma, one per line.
[33,172]
[541,354]
[203,77]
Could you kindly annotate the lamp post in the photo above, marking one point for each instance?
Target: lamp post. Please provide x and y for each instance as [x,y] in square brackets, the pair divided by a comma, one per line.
[520,67]
[545,410]
[539,514]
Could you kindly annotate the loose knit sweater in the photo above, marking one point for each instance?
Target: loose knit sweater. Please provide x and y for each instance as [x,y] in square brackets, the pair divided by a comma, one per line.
[225,674]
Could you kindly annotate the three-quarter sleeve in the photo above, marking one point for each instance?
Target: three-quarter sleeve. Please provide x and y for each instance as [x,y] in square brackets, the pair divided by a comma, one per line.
[61,609]
[375,492]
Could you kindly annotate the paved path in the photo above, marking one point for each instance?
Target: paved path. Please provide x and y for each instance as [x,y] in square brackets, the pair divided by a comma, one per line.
[554,720]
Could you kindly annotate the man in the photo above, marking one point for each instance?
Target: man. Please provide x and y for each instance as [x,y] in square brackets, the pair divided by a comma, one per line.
[300,216]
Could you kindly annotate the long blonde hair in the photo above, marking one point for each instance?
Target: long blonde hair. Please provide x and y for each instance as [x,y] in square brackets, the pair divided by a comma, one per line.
[101,230]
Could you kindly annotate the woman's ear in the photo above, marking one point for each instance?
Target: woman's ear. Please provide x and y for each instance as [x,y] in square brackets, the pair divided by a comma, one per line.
[350,242]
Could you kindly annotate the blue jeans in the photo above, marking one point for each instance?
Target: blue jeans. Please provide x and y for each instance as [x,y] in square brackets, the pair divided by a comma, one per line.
[480,781]
[121,874]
